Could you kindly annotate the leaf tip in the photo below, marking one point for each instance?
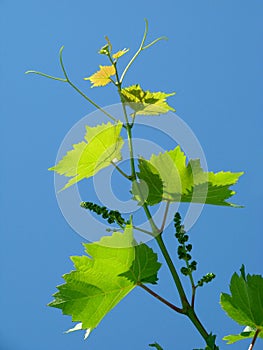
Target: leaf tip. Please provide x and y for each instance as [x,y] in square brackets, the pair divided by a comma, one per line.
[61,49]
[242,271]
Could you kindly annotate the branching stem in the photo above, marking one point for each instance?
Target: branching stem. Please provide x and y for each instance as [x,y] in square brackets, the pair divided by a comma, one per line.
[186,309]
[173,271]
[142,230]
[165,216]
[67,80]
[141,48]
[121,171]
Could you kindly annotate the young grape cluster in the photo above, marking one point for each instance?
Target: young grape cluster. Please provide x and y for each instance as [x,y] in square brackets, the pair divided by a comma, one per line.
[112,216]
[206,279]
[183,248]
[183,252]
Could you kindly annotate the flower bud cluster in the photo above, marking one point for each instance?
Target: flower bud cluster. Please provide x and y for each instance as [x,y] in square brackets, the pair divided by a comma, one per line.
[184,249]
[111,215]
[206,279]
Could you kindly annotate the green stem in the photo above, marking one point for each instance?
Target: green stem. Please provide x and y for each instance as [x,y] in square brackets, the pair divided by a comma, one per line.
[128,126]
[67,80]
[142,230]
[187,309]
[165,215]
[176,278]
[192,284]
[141,48]
[156,231]
[137,52]
[45,75]
[79,91]
[121,171]
[92,102]
[198,325]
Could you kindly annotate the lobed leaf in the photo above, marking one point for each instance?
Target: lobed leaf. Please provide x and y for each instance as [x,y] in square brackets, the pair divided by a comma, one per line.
[146,102]
[103,76]
[112,269]
[245,303]
[181,182]
[150,188]
[86,158]
[144,267]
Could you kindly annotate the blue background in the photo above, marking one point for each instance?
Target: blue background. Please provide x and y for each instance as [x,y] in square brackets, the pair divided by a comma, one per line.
[213,60]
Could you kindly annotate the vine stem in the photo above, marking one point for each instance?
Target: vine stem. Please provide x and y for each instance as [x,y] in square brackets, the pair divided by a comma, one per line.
[251,346]
[165,216]
[142,230]
[141,48]
[173,271]
[161,299]
[193,295]
[187,309]
[67,80]
[121,171]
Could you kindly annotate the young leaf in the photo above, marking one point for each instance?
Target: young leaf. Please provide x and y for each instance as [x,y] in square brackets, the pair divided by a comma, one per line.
[86,159]
[102,76]
[119,53]
[106,49]
[185,182]
[247,333]
[146,102]
[103,278]
[245,303]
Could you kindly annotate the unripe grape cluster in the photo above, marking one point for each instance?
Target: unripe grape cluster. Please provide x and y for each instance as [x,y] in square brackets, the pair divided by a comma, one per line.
[112,216]
[206,279]
[183,249]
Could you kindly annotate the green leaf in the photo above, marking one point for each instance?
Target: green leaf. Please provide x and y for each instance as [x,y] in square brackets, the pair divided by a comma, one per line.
[146,102]
[247,333]
[103,147]
[144,267]
[113,267]
[156,345]
[150,188]
[183,182]
[245,303]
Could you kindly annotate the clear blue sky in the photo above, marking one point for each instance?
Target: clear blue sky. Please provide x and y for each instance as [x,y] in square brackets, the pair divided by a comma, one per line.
[214,61]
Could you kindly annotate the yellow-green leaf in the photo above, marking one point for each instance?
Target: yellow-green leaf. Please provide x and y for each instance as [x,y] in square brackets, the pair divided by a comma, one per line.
[120,53]
[103,146]
[182,182]
[146,102]
[111,269]
[247,333]
[103,76]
